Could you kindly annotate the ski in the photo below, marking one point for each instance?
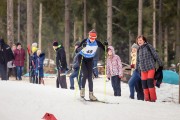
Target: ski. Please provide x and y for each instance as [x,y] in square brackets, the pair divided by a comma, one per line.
[100,101]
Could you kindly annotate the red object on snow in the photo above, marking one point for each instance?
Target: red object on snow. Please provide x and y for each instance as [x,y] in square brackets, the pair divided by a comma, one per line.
[49,116]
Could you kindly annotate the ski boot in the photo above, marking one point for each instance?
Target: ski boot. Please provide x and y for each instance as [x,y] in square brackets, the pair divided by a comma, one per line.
[82,92]
[92,97]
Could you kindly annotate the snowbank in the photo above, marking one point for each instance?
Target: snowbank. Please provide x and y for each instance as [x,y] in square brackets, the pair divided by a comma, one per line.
[24,101]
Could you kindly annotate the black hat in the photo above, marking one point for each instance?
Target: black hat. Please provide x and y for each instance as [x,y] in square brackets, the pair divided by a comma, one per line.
[55,43]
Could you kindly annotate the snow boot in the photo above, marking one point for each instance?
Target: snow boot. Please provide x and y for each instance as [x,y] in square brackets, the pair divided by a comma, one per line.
[82,92]
[92,97]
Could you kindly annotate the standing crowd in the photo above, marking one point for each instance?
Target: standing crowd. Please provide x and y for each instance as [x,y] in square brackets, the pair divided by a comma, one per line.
[143,66]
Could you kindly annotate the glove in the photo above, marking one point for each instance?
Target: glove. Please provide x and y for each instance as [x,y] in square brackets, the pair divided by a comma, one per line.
[106,43]
[84,44]
[132,66]
[120,77]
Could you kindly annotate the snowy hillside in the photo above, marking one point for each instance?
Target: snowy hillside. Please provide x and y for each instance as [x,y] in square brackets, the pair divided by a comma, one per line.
[20,100]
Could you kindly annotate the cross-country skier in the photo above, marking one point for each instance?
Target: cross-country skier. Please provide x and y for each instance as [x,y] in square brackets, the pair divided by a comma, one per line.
[86,55]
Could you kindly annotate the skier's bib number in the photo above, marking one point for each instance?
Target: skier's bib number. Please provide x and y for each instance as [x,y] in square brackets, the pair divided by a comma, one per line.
[90,50]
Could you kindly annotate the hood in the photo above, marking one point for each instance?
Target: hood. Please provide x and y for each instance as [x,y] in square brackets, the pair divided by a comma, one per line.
[111,47]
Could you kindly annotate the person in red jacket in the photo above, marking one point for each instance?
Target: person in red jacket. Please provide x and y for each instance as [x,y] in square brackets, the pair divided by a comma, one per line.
[19,55]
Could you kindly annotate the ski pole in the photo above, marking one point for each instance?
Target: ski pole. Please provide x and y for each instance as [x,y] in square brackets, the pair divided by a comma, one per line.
[80,67]
[105,73]
[79,73]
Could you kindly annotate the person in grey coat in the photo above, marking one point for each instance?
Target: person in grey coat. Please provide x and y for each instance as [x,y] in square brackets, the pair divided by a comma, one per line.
[146,64]
[76,73]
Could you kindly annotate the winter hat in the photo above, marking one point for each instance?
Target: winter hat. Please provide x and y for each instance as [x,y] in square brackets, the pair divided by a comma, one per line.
[135,46]
[34,44]
[92,34]
[77,43]
[34,49]
[55,43]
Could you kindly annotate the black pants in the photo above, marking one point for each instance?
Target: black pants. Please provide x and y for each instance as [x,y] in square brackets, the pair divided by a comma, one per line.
[12,71]
[61,80]
[116,84]
[87,69]
[3,71]
[139,90]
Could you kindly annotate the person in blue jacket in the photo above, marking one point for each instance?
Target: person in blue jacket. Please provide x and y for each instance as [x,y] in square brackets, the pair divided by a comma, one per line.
[88,50]
[39,67]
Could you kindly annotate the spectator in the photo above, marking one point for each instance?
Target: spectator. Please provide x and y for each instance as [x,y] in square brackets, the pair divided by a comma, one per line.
[61,64]
[11,66]
[76,72]
[135,80]
[114,70]
[33,58]
[6,55]
[39,67]
[19,55]
[146,63]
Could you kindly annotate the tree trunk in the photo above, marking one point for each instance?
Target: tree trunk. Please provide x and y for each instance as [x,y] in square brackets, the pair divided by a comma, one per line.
[166,47]
[29,27]
[18,35]
[75,28]
[160,30]
[40,24]
[67,30]
[109,21]
[154,23]
[178,32]
[49,56]
[85,20]
[130,44]
[178,40]
[140,7]
[10,22]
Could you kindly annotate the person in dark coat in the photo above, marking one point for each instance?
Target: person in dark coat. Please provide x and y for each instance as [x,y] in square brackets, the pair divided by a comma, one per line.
[6,55]
[61,65]
[39,67]
[11,66]
[19,55]
[76,73]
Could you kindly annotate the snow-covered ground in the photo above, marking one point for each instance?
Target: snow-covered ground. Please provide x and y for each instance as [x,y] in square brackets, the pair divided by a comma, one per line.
[20,100]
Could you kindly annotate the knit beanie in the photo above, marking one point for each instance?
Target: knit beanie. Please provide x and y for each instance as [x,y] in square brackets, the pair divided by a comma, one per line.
[34,49]
[55,43]
[34,44]
[92,34]
[135,46]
